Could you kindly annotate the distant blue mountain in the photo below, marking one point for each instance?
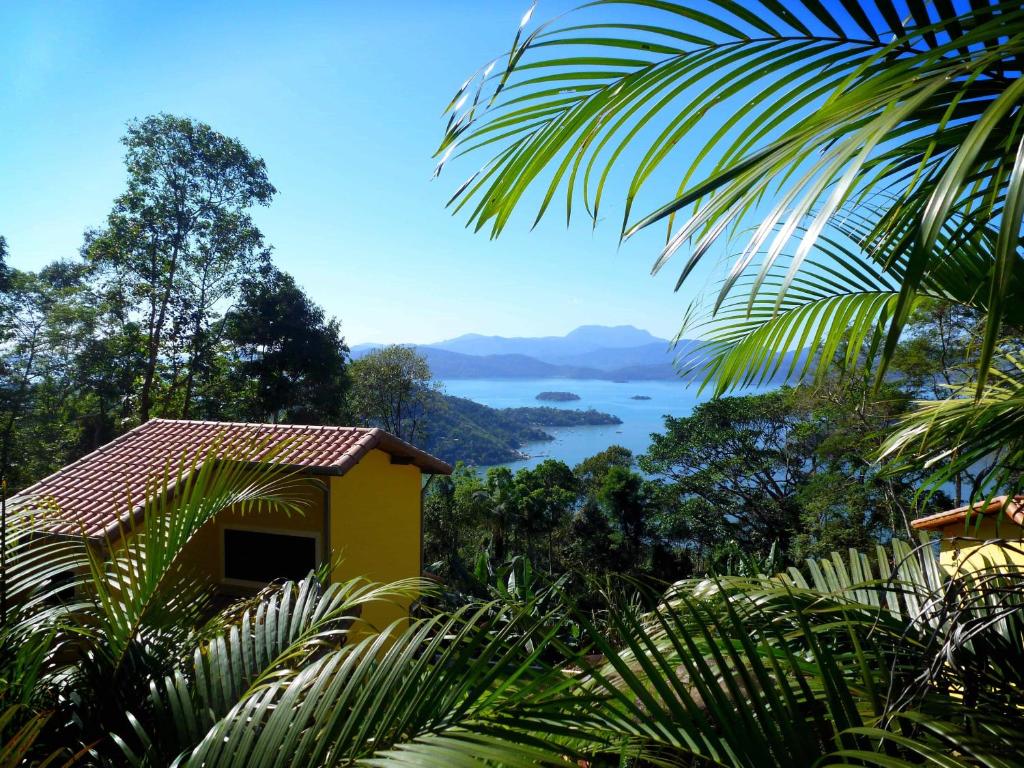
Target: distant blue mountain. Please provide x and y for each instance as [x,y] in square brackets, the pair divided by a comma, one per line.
[612,337]
[589,352]
[611,358]
[583,340]
[454,365]
[619,353]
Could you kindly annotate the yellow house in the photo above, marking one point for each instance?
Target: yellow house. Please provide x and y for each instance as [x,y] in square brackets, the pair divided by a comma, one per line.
[362,490]
[980,534]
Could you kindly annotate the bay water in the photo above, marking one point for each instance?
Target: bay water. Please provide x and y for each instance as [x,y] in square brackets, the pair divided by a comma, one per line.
[573,444]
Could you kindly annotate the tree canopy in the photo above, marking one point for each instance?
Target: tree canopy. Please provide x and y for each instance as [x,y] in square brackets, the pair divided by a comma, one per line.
[292,360]
[176,245]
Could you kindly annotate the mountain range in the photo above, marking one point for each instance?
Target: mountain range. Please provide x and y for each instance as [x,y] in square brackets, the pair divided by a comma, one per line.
[590,352]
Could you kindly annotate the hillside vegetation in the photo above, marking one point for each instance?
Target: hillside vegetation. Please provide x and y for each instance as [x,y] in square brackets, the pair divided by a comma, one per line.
[463,430]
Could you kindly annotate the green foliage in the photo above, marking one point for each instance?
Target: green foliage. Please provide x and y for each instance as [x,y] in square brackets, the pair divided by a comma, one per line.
[589,521]
[965,435]
[907,126]
[792,467]
[89,623]
[878,170]
[176,245]
[291,359]
[880,660]
[392,388]
[47,342]
[91,347]
[770,477]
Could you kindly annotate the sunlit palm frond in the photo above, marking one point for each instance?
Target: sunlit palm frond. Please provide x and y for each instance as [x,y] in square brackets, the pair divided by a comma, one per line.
[284,628]
[826,309]
[471,688]
[765,329]
[91,621]
[141,590]
[965,432]
[850,656]
[41,568]
[798,112]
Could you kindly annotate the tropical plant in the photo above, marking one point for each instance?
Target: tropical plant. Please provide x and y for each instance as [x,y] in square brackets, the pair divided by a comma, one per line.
[966,432]
[88,623]
[880,660]
[392,388]
[863,154]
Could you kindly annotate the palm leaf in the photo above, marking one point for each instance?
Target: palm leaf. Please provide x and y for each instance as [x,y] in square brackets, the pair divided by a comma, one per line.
[274,635]
[915,120]
[444,689]
[966,431]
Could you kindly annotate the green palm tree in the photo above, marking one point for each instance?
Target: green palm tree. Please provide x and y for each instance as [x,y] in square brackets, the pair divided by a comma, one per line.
[857,157]
[851,661]
[501,510]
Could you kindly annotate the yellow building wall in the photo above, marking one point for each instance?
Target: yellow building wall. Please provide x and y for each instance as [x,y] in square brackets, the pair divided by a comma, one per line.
[375,528]
[373,531]
[973,546]
[205,551]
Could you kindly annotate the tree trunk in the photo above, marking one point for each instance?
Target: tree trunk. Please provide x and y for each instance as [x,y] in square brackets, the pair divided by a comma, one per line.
[5,452]
[157,324]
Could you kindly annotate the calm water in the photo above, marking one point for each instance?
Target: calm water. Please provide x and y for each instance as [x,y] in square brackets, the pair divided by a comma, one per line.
[573,444]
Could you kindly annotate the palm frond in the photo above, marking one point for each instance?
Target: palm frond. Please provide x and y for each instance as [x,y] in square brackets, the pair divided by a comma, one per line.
[966,432]
[136,606]
[915,119]
[463,688]
[281,630]
[876,659]
[140,588]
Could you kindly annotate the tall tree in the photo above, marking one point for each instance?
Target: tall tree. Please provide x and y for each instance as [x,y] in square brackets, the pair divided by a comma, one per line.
[623,493]
[48,320]
[179,240]
[393,388]
[291,361]
[791,467]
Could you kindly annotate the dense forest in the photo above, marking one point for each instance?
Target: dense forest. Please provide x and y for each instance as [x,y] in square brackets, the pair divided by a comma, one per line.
[743,484]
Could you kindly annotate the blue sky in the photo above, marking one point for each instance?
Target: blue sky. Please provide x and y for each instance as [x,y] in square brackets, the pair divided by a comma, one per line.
[343,100]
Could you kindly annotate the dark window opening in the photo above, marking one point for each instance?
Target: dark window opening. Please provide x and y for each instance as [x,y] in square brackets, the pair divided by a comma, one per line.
[61,588]
[263,557]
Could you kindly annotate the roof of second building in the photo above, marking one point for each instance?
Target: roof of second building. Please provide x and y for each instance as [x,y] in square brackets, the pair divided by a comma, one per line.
[1013,508]
[89,494]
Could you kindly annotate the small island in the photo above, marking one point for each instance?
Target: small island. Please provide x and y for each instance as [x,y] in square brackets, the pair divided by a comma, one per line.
[558,397]
[640,397]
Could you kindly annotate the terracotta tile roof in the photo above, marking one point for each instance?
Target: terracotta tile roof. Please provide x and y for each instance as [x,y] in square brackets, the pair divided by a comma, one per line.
[90,493]
[1014,511]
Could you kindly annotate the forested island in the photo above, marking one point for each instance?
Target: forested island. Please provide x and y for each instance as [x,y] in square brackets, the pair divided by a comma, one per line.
[463,430]
[558,397]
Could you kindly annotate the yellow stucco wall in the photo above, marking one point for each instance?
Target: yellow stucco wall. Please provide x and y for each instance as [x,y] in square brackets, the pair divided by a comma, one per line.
[973,546]
[205,551]
[373,530]
[375,527]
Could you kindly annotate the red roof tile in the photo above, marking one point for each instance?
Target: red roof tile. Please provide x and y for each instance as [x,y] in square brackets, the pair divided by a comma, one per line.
[90,493]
